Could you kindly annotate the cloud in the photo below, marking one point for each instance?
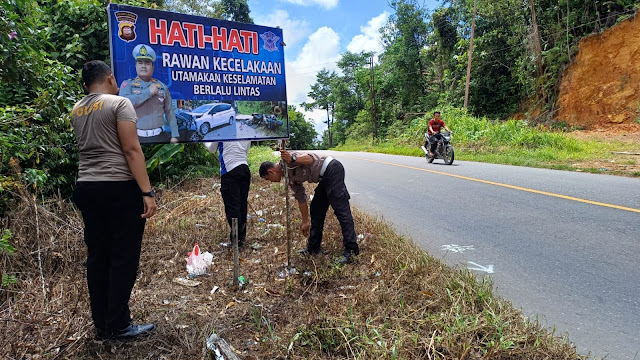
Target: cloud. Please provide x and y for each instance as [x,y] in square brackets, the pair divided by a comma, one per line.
[294,30]
[322,50]
[327,4]
[370,39]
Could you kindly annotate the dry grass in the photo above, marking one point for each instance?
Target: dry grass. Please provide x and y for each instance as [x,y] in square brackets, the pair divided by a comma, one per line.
[394,302]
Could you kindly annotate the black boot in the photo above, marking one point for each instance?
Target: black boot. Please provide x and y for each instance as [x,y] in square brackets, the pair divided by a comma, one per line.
[347,256]
[133,331]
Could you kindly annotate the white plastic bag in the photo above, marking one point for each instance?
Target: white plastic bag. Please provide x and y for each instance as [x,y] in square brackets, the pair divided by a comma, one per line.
[198,263]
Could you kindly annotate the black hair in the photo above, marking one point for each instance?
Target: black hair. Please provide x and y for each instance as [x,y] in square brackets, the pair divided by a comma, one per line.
[265,167]
[436,112]
[94,71]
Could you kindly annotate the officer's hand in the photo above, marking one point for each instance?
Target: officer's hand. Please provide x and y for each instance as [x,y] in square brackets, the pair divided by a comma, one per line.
[174,140]
[153,89]
[304,228]
[150,207]
[285,155]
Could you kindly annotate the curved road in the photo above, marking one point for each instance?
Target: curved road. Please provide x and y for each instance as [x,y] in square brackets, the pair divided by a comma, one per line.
[563,246]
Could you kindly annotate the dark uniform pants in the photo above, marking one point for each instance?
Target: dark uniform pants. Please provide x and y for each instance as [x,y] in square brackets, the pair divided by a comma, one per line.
[234,187]
[331,190]
[113,232]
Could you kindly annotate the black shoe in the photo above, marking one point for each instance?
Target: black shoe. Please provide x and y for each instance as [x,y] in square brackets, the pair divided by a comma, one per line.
[307,251]
[133,331]
[347,256]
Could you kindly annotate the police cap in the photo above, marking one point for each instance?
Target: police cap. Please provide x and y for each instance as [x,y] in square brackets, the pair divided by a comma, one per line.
[144,52]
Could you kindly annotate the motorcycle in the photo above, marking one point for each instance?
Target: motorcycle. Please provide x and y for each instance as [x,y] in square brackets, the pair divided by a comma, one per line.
[444,149]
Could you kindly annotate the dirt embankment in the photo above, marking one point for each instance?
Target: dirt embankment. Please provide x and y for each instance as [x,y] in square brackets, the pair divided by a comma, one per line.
[603,83]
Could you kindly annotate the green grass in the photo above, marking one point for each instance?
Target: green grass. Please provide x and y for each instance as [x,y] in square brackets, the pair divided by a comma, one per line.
[258,154]
[511,142]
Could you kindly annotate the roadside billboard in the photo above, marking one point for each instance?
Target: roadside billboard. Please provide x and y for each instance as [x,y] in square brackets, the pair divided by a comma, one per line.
[198,79]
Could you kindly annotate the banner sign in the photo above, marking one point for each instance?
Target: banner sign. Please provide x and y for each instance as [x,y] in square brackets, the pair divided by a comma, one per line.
[195,79]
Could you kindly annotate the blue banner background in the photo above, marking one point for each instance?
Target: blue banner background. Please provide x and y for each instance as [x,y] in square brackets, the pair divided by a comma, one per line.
[123,62]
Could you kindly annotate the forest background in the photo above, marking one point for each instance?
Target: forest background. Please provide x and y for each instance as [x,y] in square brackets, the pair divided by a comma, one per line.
[521,50]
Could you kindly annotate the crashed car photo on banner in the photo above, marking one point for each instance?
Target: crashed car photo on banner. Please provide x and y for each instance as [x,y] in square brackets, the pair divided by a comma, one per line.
[198,79]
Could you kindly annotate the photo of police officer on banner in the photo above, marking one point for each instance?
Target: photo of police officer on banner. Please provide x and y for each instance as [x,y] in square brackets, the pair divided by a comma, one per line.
[151,98]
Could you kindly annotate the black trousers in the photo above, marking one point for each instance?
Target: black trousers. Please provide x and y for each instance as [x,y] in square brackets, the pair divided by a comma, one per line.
[113,232]
[331,190]
[433,140]
[234,187]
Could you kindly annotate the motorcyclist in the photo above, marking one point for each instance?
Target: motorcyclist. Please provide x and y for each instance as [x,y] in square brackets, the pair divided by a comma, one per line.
[434,131]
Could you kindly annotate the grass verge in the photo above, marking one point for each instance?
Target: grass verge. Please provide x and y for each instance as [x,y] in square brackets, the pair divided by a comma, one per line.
[510,142]
[394,302]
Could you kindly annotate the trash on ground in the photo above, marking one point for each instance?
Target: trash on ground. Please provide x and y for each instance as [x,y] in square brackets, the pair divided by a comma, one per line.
[272,292]
[256,246]
[199,196]
[215,288]
[276,226]
[225,244]
[186,282]
[287,272]
[198,263]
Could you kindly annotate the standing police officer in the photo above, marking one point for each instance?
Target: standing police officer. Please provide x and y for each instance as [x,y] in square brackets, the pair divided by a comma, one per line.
[151,99]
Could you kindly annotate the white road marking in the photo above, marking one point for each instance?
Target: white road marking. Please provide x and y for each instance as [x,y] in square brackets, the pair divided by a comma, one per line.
[487,269]
[457,248]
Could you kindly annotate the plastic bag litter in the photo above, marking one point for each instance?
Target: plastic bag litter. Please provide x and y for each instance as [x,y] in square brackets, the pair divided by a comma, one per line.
[198,263]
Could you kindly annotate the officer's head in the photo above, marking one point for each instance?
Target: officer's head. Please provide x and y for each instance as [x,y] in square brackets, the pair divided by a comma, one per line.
[269,171]
[145,57]
[97,76]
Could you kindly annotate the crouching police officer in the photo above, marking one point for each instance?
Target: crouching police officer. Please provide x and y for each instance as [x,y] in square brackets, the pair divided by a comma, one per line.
[151,99]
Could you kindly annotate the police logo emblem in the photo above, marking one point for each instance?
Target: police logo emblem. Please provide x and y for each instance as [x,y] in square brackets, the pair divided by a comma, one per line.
[270,41]
[126,25]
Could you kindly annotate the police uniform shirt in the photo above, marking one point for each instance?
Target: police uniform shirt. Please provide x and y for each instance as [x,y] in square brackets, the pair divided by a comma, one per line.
[150,108]
[95,124]
[299,173]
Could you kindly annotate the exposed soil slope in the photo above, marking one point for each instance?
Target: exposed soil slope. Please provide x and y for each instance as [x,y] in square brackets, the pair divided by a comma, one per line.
[603,83]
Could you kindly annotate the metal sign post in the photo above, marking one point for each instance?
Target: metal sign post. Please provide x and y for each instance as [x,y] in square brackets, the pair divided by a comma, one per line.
[236,262]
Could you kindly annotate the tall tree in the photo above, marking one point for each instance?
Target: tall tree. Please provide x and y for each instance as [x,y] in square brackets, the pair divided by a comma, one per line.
[233,10]
[302,132]
[323,97]
[405,36]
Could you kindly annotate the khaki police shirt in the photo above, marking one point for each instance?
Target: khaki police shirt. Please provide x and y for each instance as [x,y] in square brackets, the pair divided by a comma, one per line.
[298,174]
[151,109]
[94,120]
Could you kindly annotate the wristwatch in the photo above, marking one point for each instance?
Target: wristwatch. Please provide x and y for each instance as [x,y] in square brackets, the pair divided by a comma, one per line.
[293,157]
[151,193]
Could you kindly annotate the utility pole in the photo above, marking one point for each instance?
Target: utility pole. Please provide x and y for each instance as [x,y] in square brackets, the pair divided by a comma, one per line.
[373,102]
[473,26]
[329,124]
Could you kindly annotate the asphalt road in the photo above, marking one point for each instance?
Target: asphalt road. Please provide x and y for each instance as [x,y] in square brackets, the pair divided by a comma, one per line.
[563,246]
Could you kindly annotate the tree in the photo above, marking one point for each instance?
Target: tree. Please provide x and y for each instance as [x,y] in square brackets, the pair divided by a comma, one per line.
[322,95]
[405,36]
[348,92]
[302,132]
[233,10]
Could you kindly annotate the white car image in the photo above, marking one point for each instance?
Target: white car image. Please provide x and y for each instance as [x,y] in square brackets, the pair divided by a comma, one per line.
[209,116]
